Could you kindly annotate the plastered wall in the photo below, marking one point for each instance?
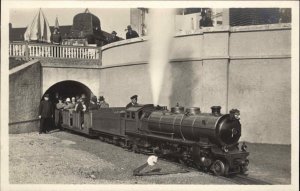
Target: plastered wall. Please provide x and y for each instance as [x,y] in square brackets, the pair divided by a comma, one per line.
[248,68]
[24,99]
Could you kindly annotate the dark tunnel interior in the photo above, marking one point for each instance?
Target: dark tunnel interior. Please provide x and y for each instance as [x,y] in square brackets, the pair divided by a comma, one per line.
[68,89]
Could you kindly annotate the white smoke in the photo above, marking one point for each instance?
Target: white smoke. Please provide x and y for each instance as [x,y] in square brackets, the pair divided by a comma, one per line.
[161,32]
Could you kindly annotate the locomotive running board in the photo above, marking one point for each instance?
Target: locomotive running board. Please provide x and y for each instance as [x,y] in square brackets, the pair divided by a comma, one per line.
[157,137]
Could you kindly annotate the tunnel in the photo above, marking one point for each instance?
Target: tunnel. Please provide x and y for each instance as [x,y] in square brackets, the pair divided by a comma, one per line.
[68,89]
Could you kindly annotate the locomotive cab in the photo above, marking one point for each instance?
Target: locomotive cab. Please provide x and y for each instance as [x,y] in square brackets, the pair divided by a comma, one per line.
[133,116]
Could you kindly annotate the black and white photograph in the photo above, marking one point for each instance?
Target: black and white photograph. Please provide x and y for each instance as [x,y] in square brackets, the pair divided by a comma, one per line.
[150,95]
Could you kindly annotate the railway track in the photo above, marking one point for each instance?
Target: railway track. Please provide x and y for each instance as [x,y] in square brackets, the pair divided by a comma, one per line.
[245,180]
[237,179]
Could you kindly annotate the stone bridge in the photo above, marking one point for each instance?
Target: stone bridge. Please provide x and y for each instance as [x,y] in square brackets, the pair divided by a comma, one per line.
[248,68]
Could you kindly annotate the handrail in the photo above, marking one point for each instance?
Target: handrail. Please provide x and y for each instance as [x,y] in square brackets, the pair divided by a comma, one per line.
[36,50]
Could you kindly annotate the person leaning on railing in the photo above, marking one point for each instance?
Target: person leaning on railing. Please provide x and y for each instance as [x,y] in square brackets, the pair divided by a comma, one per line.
[112,38]
[81,108]
[56,37]
[131,33]
[205,20]
[68,104]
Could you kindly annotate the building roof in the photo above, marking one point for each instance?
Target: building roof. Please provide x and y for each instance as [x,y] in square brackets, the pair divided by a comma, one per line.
[17,34]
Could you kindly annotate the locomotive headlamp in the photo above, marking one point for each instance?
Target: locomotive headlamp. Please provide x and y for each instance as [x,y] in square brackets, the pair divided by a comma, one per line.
[235,114]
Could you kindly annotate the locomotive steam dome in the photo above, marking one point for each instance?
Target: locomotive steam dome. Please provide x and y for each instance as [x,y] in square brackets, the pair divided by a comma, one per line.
[193,110]
[177,109]
[86,26]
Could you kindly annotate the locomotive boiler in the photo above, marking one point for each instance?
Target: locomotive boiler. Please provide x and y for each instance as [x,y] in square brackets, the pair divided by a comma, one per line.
[207,141]
[191,125]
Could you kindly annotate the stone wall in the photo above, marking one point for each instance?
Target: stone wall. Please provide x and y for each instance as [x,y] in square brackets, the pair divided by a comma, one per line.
[24,98]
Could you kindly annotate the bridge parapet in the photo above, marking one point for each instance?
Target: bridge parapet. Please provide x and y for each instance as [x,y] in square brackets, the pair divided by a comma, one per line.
[28,51]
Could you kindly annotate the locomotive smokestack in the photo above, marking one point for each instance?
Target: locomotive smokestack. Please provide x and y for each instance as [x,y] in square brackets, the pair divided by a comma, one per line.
[216,110]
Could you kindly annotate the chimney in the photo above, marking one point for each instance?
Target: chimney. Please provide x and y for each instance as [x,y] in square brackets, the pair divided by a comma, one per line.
[216,110]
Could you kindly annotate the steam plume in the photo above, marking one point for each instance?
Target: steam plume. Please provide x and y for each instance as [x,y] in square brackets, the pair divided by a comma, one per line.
[161,32]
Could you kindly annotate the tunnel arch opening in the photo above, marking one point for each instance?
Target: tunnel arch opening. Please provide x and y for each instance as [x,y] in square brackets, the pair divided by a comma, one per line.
[68,89]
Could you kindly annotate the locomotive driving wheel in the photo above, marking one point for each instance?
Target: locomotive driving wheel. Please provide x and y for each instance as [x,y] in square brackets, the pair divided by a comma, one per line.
[219,168]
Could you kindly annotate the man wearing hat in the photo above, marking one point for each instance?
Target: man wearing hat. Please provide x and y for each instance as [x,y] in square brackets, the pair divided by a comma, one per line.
[133,101]
[102,103]
[45,114]
[205,20]
[131,33]
[56,37]
[93,103]
[68,104]
[113,37]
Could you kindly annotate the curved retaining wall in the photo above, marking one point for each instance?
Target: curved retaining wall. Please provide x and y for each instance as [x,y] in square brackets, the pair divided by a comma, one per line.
[248,68]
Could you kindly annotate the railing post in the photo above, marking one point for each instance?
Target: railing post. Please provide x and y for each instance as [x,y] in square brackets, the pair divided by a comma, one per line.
[26,51]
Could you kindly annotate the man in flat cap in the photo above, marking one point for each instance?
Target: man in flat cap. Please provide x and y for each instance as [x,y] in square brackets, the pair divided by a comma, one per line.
[133,101]
[131,33]
[45,114]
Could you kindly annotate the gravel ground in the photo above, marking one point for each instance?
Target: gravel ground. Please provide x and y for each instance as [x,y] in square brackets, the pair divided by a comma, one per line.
[62,157]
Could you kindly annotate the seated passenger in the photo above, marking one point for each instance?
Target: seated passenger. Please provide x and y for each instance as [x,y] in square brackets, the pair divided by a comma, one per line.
[84,105]
[73,103]
[68,104]
[60,105]
[80,106]
[102,103]
[93,103]
[133,101]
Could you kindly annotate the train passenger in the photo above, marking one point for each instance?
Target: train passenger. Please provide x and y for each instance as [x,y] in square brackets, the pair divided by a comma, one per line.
[73,103]
[131,33]
[103,103]
[93,103]
[133,101]
[84,105]
[45,114]
[60,105]
[81,106]
[68,104]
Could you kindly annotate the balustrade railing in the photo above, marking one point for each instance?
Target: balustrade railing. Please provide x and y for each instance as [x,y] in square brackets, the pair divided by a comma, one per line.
[29,50]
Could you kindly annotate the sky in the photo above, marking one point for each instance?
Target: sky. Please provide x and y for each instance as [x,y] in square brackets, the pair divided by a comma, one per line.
[111,19]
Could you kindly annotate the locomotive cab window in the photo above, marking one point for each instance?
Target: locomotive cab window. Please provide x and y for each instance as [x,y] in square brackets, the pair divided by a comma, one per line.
[133,115]
[127,114]
[140,114]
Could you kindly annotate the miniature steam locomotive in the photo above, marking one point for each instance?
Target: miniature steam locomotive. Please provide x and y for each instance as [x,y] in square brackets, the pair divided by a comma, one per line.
[207,141]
